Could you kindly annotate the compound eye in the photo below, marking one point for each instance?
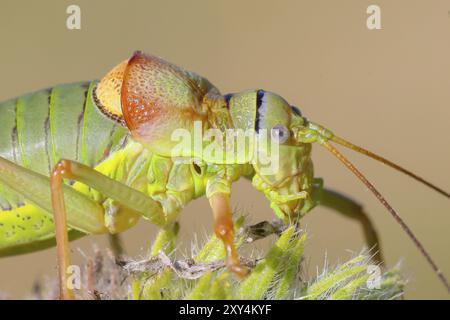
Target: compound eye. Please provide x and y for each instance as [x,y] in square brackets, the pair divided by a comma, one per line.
[280,133]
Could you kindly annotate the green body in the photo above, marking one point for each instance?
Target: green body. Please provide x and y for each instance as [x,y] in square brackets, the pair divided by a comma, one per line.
[131,181]
[41,128]
[115,139]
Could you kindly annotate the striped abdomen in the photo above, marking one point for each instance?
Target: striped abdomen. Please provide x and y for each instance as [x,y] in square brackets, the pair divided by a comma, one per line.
[36,131]
[41,128]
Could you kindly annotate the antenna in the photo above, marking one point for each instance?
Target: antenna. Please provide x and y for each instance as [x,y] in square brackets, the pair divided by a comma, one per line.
[384,202]
[372,155]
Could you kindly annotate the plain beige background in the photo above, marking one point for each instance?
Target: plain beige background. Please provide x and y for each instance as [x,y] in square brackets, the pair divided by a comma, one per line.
[385,89]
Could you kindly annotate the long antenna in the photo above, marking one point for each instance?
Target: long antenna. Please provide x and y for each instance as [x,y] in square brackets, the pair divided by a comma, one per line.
[391,210]
[372,155]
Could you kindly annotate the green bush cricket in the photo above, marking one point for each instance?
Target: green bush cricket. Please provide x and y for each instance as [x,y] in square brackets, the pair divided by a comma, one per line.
[113,142]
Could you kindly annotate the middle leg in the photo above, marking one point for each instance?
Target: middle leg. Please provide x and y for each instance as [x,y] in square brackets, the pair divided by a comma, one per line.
[224,230]
[218,191]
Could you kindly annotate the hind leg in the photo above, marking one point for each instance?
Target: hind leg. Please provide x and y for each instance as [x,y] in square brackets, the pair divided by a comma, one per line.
[127,196]
[83,214]
[353,210]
